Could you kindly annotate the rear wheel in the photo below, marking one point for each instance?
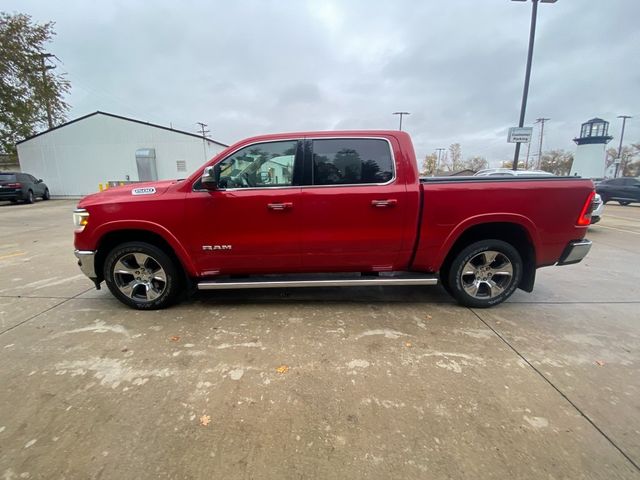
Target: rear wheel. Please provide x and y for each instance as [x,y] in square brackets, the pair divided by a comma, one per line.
[30,198]
[485,273]
[142,276]
[624,203]
[604,198]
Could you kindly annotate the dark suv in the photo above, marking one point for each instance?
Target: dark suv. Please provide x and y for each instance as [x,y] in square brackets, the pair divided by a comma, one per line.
[16,186]
[625,190]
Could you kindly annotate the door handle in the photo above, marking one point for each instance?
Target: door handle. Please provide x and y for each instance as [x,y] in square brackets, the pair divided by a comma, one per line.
[280,206]
[391,202]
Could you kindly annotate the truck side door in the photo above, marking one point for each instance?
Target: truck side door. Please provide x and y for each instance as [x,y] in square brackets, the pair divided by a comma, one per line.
[249,224]
[355,206]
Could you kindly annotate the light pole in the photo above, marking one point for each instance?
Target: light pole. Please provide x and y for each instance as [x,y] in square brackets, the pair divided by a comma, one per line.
[401,115]
[624,121]
[527,75]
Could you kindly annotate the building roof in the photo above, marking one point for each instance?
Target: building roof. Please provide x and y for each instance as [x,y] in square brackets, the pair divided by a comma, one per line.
[596,120]
[120,117]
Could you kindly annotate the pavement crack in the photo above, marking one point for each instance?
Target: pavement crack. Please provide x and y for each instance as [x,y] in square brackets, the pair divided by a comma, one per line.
[42,312]
[562,394]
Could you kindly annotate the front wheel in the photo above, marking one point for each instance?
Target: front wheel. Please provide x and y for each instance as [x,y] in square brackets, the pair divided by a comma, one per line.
[142,276]
[485,273]
[46,195]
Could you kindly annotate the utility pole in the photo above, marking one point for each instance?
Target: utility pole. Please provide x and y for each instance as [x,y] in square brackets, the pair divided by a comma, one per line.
[45,83]
[526,162]
[541,122]
[203,131]
[401,115]
[624,121]
[439,150]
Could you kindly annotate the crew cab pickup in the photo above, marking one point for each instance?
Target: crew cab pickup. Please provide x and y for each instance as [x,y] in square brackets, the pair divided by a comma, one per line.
[329,209]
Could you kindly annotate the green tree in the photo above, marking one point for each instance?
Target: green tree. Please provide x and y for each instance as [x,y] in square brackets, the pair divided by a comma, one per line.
[29,91]
[557,162]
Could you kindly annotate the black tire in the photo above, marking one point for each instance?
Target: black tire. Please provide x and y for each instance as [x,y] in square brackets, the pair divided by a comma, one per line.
[604,199]
[493,280]
[30,198]
[46,195]
[140,286]
[624,203]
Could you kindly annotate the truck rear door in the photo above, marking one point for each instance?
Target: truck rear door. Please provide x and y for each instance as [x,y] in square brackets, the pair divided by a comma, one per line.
[354,206]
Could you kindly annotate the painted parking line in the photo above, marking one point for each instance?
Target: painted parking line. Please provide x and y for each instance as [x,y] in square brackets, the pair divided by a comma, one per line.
[15,254]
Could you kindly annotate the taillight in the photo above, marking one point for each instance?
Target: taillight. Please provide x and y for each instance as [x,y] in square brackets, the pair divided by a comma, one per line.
[14,185]
[585,215]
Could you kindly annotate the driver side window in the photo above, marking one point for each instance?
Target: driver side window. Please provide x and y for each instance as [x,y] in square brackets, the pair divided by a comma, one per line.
[259,165]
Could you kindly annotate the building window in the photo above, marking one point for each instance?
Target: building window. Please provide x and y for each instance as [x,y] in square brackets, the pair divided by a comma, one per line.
[181,165]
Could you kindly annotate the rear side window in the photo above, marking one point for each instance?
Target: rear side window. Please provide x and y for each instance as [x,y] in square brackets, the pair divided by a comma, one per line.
[348,161]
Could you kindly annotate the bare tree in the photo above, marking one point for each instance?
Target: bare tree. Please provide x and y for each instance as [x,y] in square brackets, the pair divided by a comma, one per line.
[429,164]
[557,162]
[475,163]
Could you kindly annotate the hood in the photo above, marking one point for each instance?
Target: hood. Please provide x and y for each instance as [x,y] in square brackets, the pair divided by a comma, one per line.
[128,193]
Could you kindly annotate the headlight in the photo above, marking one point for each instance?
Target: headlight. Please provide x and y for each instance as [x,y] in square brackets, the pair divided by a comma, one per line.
[80,218]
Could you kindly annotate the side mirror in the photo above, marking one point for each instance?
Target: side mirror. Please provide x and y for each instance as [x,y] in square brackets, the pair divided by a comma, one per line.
[39,180]
[210,177]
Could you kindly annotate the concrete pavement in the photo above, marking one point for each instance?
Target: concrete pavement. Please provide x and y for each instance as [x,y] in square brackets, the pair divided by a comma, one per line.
[322,383]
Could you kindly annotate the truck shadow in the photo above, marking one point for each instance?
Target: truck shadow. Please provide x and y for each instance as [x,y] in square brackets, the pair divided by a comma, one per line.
[323,295]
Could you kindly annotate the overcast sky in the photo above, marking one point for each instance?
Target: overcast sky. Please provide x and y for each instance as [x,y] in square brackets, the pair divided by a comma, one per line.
[256,66]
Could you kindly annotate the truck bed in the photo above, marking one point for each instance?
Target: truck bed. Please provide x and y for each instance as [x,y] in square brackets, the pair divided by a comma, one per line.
[450,205]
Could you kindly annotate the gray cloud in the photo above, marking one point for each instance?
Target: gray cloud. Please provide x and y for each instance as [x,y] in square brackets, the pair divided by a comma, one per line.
[253,66]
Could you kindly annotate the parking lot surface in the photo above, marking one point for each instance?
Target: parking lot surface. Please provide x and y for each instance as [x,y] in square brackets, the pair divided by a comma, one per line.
[321,383]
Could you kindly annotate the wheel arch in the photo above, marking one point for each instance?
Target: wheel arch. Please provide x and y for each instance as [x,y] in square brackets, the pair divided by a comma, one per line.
[114,237]
[511,232]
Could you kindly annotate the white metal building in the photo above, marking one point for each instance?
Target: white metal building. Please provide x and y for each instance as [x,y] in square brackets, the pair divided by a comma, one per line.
[75,157]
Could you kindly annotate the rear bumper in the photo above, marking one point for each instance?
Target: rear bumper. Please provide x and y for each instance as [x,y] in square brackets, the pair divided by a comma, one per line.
[86,262]
[575,252]
[11,195]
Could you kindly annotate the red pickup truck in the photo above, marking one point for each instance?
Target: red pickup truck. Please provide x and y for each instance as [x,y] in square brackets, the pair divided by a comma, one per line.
[329,209]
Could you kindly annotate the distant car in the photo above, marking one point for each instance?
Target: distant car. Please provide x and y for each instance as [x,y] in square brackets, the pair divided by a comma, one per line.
[502,172]
[16,186]
[624,189]
[598,208]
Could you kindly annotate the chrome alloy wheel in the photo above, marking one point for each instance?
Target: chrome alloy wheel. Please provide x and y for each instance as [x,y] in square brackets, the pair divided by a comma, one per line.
[139,276]
[487,274]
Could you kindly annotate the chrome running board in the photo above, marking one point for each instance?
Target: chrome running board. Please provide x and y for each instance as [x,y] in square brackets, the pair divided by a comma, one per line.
[303,281]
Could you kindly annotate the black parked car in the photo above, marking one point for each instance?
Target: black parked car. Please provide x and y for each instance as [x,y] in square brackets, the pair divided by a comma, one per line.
[17,186]
[625,190]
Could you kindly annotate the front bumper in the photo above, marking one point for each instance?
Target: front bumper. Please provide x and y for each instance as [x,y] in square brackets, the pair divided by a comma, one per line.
[575,252]
[87,262]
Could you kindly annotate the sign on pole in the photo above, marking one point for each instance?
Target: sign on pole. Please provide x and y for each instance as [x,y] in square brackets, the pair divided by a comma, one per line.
[520,134]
